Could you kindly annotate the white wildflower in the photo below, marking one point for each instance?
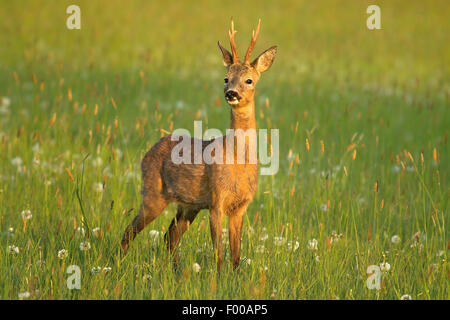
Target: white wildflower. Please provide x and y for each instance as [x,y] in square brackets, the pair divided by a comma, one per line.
[36,148]
[119,153]
[84,246]
[294,246]
[5,101]
[97,232]
[132,175]
[98,187]
[416,241]
[180,104]
[406,297]
[196,267]
[4,105]
[81,231]
[17,162]
[36,162]
[154,235]
[26,215]
[62,254]
[278,241]
[385,267]
[96,270]
[40,263]
[264,237]
[97,162]
[24,295]
[313,244]
[147,277]
[13,249]
[335,237]
[106,270]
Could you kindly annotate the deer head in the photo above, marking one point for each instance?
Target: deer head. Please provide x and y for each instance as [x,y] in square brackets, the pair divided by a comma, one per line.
[241,77]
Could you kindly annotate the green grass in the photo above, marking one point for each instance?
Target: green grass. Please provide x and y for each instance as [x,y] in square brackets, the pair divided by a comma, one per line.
[382,94]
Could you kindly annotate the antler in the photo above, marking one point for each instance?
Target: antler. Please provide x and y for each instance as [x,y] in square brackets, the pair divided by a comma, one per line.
[232,43]
[252,43]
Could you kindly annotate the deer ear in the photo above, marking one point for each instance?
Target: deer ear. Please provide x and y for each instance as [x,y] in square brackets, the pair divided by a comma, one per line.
[227,57]
[265,60]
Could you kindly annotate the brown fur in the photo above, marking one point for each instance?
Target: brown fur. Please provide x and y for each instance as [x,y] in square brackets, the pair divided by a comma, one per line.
[224,189]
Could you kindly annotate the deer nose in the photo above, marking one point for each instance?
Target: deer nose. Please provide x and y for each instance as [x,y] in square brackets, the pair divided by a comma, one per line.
[231,95]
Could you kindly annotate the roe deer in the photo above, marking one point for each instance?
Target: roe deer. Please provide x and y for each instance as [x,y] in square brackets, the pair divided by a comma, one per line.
[224,189]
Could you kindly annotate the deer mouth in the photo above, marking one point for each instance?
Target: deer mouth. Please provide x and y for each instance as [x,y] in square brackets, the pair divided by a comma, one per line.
[233,100]
[232,97]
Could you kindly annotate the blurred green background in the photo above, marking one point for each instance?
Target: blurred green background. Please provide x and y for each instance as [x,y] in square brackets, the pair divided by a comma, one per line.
[138,69]
[315,38]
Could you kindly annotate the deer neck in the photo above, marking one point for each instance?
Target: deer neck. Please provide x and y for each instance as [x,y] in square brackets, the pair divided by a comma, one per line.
[243,117]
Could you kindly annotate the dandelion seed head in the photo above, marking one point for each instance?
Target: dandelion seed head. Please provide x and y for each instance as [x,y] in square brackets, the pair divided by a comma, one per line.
[396,239]
[84,246]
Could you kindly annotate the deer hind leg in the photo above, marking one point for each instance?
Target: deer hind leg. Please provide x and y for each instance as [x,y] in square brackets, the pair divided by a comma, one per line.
[235,233]
[185,216]
[151,208]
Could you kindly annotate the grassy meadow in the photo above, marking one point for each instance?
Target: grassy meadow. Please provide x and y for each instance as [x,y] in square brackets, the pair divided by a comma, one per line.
[364,153]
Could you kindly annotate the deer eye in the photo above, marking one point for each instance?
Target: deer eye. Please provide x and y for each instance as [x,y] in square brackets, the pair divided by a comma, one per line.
[226,80]
[249,81]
